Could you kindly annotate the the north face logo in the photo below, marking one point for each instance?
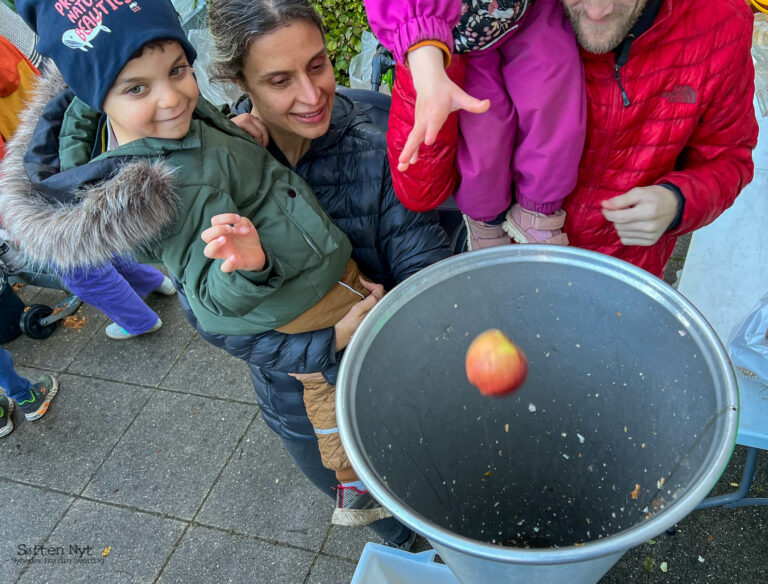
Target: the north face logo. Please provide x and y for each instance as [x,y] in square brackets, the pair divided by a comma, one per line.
[680,94]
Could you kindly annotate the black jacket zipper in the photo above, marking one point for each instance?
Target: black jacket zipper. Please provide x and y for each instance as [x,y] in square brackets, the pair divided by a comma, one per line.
[624,96]
[620,59]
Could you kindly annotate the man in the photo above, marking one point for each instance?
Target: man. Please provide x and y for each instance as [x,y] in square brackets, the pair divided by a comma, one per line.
[670,122]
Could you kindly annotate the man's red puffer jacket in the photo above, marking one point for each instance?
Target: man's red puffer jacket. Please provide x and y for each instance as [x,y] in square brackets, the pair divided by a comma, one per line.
[690,122]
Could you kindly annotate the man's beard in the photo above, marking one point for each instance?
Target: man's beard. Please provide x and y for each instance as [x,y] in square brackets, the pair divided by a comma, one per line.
[607,35]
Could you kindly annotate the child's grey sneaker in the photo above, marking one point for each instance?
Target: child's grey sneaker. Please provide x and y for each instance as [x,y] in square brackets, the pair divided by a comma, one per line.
[116,332]
[355,508]
[166,288]
[6,416]
[41,394]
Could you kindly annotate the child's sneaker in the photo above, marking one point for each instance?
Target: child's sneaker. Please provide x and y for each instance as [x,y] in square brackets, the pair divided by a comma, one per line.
[166,288]
[116,332]
[6,416]
[481,235]
[41,394]
[355,508]
[526,226]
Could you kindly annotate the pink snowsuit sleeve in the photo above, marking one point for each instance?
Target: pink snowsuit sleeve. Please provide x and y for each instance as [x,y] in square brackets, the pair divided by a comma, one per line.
[400,24]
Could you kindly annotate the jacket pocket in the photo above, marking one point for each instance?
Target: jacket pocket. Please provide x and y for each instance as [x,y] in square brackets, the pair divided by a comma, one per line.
[307,235]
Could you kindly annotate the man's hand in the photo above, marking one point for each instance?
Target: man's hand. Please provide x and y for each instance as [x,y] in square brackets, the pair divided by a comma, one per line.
[252,125]
[642,214]
[350,321]
[436,97]
[234,239]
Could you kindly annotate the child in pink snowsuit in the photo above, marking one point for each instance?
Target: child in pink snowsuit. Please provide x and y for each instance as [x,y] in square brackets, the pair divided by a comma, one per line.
[523,57]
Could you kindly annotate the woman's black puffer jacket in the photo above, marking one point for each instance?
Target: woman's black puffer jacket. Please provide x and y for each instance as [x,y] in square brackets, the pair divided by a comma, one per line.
[348,171]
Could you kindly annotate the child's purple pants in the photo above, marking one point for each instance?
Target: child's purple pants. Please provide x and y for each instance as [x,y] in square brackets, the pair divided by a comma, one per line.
[527,146]
[117,289]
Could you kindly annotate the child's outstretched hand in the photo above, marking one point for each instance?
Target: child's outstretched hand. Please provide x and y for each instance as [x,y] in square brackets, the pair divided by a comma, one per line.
[252,125]
[234,239]
[436,97]
[350,321]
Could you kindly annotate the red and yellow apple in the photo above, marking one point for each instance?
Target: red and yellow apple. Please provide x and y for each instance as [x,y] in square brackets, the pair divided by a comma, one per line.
[495,364]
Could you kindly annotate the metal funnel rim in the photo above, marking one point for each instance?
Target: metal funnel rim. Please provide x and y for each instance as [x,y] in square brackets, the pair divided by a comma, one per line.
[617,543]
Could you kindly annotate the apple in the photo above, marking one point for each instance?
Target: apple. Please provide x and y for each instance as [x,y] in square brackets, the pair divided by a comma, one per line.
[495,364]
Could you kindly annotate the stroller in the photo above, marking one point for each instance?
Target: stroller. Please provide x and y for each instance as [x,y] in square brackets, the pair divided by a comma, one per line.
[36,321]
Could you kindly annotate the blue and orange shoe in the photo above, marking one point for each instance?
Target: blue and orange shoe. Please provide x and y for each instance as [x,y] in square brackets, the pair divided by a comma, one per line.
[41,394]
[6,416]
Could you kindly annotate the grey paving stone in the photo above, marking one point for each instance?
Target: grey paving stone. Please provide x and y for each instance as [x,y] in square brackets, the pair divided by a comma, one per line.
[262,493]
[331,571]
[144,360]
[27,293]
[348,542]
[206,555]
[63,449]
[207,370]
[28,517]
[170,456]
[60,349]
[136,546]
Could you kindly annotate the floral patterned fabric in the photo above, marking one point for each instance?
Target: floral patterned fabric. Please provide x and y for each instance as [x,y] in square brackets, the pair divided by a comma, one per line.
[484,22]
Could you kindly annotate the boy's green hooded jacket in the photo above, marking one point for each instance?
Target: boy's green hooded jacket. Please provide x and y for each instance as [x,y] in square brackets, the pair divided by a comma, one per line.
[155,197]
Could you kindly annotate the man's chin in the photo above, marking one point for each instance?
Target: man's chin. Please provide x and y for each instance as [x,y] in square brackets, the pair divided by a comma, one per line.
[598,41]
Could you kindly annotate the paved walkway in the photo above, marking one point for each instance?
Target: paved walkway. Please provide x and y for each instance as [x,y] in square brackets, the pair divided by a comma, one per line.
[154,465]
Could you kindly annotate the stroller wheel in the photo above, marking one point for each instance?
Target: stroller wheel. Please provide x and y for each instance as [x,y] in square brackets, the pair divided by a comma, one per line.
[31,325]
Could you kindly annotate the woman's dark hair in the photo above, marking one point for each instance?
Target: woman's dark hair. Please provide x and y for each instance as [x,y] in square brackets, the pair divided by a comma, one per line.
[236,24]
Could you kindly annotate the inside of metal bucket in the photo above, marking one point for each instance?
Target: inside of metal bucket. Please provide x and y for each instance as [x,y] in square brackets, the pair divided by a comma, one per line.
[620,415]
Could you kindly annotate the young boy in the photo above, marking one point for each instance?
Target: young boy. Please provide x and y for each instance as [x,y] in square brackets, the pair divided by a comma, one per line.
[128,158]
[33,398]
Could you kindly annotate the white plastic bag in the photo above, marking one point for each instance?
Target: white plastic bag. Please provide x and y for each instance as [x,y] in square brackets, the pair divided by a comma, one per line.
[186,7]
[760,60]
[218,93]
[748,347]
[361,66]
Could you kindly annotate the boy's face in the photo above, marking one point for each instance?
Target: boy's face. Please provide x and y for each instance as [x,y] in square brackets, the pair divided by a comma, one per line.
[153,96]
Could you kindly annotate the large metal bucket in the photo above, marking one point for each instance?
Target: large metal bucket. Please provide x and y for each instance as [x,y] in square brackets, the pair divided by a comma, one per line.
[625,423]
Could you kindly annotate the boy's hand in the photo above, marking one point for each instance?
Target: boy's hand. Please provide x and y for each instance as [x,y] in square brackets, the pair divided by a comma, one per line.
[252,126]
[641,215]
[436,97]
[234,239]
[350,321]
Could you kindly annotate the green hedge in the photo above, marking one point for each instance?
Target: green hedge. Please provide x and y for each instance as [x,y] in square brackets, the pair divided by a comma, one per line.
[345,21]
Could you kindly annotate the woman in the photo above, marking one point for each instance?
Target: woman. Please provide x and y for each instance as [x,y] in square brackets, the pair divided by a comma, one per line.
[275,51]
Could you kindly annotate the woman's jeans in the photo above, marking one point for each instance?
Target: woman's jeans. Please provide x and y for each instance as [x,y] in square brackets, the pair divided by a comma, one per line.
[306,454]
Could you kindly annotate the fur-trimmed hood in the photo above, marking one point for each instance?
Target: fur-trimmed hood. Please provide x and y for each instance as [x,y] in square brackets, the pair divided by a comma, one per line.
[83,215]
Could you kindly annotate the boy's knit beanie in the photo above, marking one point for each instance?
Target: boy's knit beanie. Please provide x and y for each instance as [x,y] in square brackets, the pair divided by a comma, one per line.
[92,40]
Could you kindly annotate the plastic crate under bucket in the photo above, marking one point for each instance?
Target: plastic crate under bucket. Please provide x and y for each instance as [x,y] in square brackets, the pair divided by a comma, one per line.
[626,421]
[380,564]
[11,309]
